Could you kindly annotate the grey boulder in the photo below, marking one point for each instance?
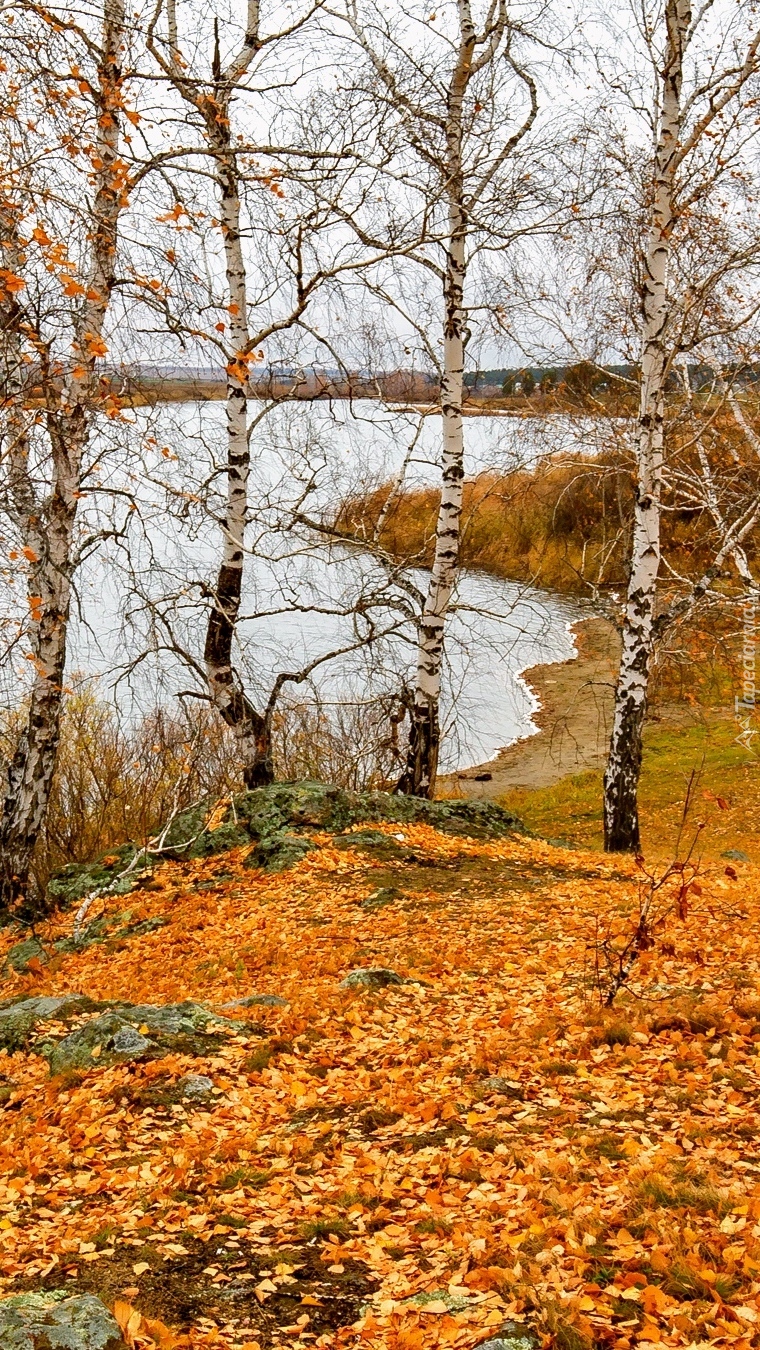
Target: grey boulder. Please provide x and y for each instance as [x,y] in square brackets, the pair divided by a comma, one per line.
[373,977]
[196,1086]
[504,1087]
[18,957]
[19,1019]
[56,1321]
[255,1001]
[130,1032]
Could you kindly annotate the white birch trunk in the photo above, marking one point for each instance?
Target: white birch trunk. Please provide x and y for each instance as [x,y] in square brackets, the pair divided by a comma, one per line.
[621,779]
[424,737]
[48,530]
[425,731]
[250,729]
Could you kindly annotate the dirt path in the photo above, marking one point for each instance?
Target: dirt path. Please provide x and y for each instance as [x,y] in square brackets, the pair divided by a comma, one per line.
[574,717]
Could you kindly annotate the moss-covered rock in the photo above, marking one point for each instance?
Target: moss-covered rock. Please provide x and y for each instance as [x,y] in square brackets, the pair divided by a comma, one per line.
[512,1336]
[110,927]
[316,805]
[238,1005]
[127,1032]
[277,820]
[371,977]
[77,880]
[22,953]
[54,1320]
[20,1018]
[275,852]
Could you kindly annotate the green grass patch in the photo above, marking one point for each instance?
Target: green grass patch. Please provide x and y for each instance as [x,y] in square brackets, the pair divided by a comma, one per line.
[571,809]
[322,1228]
[657,1192]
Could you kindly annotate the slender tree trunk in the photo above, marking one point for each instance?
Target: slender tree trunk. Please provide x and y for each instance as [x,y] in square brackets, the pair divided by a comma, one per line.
[252,732]
[621,779]
[424,735]
[48,528]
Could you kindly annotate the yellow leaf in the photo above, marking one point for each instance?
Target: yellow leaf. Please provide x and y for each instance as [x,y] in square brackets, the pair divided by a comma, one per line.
[10,282]
[128,1318]
[654,1300]
[95,345]
[141,1267]
[649,1332]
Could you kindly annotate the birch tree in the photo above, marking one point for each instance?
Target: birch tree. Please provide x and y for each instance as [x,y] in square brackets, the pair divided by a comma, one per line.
[62,194]
[695,281]
[455,107]
[240,164]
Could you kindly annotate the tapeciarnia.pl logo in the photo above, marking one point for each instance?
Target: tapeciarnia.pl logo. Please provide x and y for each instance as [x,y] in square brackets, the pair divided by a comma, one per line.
[744,706]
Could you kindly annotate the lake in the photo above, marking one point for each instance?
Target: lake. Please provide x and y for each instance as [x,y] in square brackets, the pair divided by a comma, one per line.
[300,596]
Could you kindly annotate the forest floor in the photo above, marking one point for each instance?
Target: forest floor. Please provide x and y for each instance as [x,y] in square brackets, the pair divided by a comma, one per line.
[415,1165]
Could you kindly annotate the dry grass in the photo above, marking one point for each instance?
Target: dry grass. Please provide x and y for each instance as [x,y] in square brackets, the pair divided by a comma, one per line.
[563,526]
[118,781]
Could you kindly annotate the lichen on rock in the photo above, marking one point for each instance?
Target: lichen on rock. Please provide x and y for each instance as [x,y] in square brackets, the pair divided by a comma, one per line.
[54,1320]
[20,1017]
[128,1032]
[277,820]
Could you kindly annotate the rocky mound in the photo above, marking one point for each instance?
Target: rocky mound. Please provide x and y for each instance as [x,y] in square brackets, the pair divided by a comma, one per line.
[280,822]
[71,1031]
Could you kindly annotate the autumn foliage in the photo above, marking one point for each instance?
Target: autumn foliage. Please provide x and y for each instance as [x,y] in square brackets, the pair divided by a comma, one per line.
[481,1142]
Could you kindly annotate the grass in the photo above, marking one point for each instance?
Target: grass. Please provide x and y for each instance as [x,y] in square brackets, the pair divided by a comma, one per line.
[550,526]
[613,1033]
[559,1069]
[684,1283]
[657,1192]
[243,1176]
[322,1228]
[606,1147]
[571,809]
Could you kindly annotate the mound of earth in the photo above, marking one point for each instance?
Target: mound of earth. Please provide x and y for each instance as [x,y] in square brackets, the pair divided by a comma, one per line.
[279,821]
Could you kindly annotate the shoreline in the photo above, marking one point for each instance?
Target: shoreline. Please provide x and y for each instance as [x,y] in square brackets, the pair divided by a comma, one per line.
[573,719]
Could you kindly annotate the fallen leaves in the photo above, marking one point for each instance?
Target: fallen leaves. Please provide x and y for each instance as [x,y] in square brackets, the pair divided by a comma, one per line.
[477,1144]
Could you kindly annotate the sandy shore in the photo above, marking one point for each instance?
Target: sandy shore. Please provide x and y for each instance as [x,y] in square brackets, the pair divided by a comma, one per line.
[574,720]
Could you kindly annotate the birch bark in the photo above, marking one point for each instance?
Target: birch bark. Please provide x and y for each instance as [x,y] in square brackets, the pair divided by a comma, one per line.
[621,821]
[47,527]
[424,734]
[252,732]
